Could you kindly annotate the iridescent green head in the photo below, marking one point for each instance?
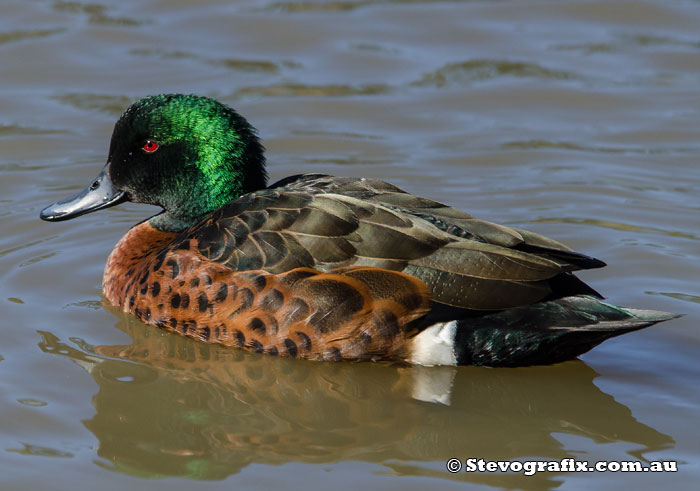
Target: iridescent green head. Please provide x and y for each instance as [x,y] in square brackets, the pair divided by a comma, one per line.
[189,154]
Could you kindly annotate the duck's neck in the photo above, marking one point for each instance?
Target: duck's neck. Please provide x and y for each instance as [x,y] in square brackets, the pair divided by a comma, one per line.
[126,263]
[167,223]
[181,214]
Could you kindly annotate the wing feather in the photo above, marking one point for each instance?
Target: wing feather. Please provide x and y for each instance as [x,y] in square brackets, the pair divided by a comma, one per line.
[325,223]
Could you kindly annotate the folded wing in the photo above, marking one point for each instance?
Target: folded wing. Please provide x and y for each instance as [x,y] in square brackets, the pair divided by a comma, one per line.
[470,266]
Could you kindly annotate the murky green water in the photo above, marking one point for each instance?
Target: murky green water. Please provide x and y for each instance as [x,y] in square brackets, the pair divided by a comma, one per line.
[576,119]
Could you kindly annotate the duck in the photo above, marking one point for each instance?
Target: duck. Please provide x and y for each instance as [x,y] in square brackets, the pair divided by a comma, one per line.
[326,268]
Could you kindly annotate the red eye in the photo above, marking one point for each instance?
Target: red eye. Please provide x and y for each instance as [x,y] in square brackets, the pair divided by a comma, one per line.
[150,146]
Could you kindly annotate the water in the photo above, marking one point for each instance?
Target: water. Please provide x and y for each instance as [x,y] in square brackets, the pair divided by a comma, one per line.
[576,119]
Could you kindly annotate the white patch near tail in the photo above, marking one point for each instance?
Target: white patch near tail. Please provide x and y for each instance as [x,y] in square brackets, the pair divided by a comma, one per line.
[435,345]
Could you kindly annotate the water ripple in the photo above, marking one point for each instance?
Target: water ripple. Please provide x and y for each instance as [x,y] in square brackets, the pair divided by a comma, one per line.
[232,63]
[302,90]
[545,144]
[39,451]
[96,14]
[678,296]
[342,6]
[9,37]
[112,104]
[467,72]
[19,130]
[624,42]
[625,227]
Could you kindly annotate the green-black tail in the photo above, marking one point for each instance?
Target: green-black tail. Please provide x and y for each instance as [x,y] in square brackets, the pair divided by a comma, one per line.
[546,332]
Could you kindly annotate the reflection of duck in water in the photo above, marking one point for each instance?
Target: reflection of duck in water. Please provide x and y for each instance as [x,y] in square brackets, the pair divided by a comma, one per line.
[326,268]
[170,406]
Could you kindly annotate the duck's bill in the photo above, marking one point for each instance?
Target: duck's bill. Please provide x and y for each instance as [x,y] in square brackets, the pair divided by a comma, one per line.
[100,194]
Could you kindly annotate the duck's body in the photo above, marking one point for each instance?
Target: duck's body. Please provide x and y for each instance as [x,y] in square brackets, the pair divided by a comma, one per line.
[327,268]
[350,313]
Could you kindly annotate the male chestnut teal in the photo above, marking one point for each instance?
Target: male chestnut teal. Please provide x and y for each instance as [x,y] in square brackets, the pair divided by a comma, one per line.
[326,268]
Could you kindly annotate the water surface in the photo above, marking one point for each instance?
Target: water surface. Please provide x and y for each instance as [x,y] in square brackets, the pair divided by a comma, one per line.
[575,119]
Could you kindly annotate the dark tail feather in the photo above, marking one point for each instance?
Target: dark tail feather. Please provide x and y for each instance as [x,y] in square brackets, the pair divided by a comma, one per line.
[580,261]
[546,332]
[569,285]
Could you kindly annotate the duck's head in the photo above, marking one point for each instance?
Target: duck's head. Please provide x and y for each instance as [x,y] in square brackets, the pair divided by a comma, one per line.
[188,154]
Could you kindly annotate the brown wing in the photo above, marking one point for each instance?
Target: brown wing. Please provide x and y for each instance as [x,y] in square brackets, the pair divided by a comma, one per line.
[325,223]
